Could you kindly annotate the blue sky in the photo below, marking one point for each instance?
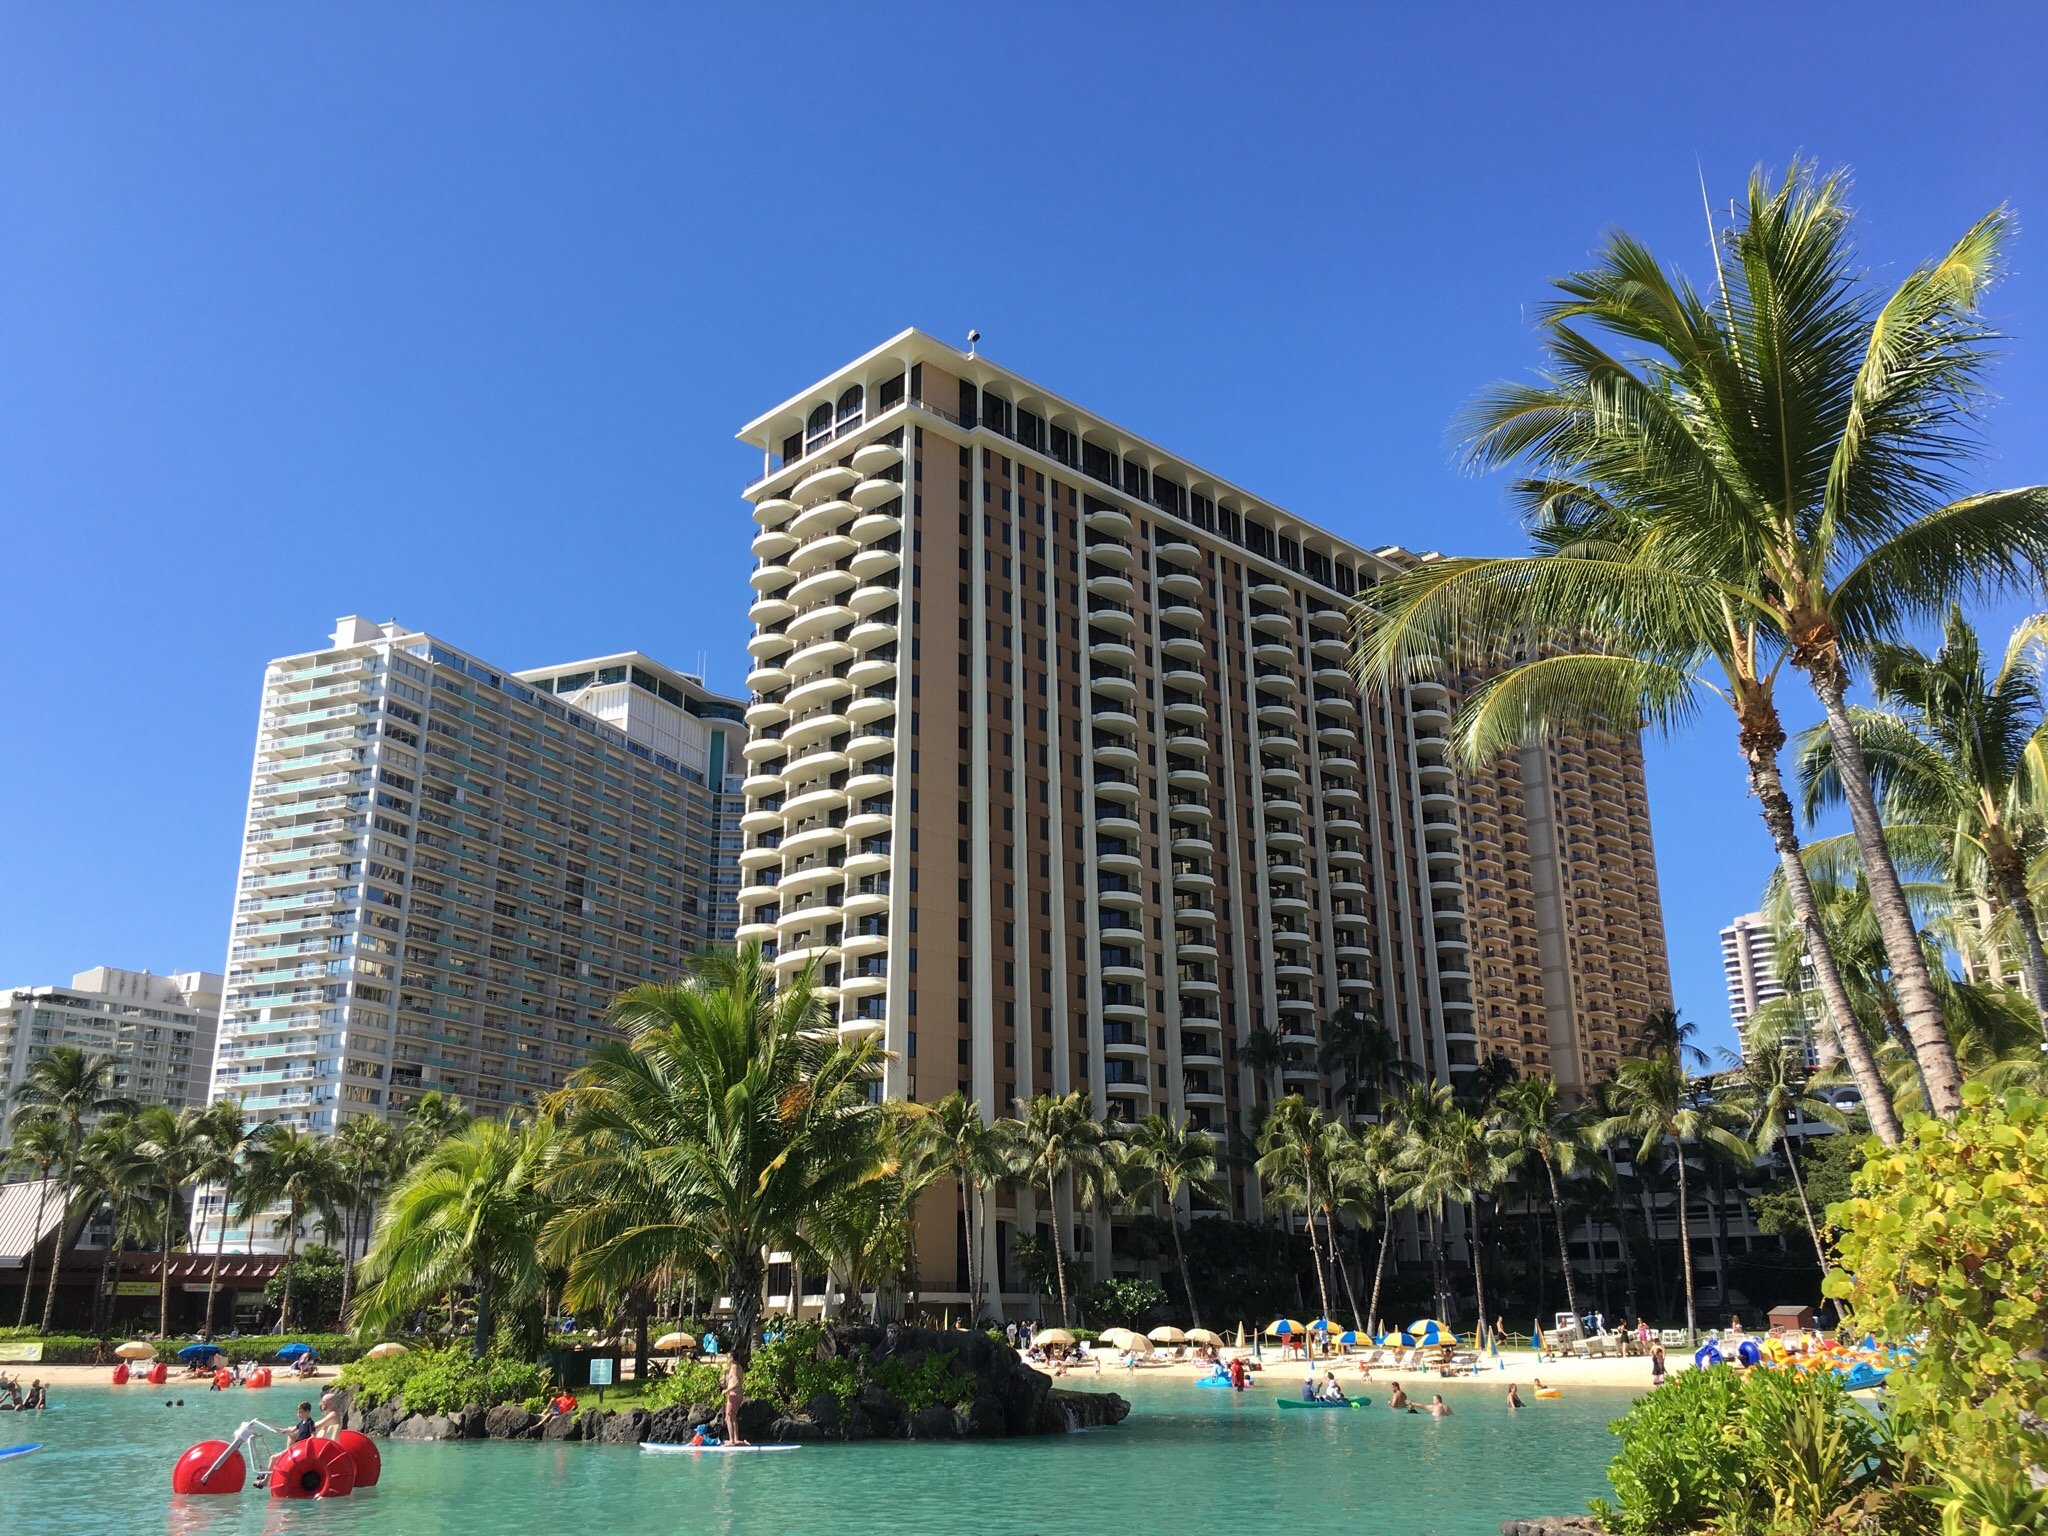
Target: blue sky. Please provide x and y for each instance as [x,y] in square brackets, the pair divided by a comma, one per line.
[449,314]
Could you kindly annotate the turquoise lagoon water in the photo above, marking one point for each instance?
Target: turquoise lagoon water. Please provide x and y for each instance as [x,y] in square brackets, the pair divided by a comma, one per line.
[1187,1460]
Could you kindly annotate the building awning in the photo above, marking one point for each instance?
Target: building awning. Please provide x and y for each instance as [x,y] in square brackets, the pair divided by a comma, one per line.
[20,1232]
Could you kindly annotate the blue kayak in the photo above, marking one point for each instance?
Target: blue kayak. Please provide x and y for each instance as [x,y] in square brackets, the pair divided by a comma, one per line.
[9,1452]
[1214,1381]
[1862,1376]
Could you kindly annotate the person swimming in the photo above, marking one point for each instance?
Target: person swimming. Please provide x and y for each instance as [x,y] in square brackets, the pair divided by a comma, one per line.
[1438,1408]
[1400,1399]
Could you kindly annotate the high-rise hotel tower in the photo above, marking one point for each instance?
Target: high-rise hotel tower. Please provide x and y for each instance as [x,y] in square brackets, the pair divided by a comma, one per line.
[1056,768]
[451,870]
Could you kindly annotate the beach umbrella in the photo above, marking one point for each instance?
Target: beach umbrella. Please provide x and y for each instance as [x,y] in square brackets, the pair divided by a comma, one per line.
[1137,1344]
[1168,1335]
[1058,1336]
[1116,1338]
[1429,1331]
[136,1349]
[1348,1337]
[384,1351]
[1240,1335]
[1283,1327]
[674,1341]
[1204,1336]
[1396,1339]
[1321,1325]
[294,1351]
[192,1352]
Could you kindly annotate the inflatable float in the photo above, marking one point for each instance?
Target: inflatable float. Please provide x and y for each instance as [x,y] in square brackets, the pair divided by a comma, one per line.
[695,1450]
[1548,1392]
[1349,1402]
[306,1469]
[1861,1377]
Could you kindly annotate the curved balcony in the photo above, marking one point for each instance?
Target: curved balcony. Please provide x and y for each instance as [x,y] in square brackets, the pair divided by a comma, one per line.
[1294,972]
[1114,652]
[1128,1011]
[1352,952]
[1196,879]
[1176,551]
[821,619]
[876,776]
[1429,720]
[867,707]
[1337,706]
[1114,894]
[1327,647]
[818,800]
[811,835]
[764,755]
[822,517]
[1438,800]
[1110,520]
[1273,624]
[1290,906]
[1200,950]
[1280,840]
[1348,857]
[1112,586]
[1117,861]
[1184,615]
[856,946]
[870,741]
[770,576]
[1193,908]
[1189,778]
[799,883]
[1335,735]
[1282,781]
[763,645]
[770,612]
[1441,884]
[1110,715]
[856,989]
[858,904]
[1354,986]
[1280,746]
[756,785]
[801,915]
[1194,808]
[861,823]
[774,511]
[875,492]
[1345,888]
[1277,681]
[1272,593]
[1115,790]
[827,587]
[1272,653]
[1428,689]
[1121,972]
[818,552]
[1288,936]
[878,598]
[1108,683]
[1187,743]
[823,757]
[825,480]
[873,527]
[880,454]
[1342,798]
[868,638]
[865,861]
[1189,680]
[1112,617]
[755,933]
[757,858]
[1190,843]
[763,818]
[1138,1092]
[1330,677]
[1113,820]
[1113,553]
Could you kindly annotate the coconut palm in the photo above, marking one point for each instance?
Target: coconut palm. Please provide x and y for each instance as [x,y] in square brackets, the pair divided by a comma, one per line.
[1363,1056]
[296,1173]
[1369,1178]
[1452,1157]
[468,1215]
[701,1144]
[74,1089]
[1959,755]
[40,1145]
[117,1174]
[225,1134]
[173,1144]
[1162,1158]
[1754,476]
[1657,1108]
[1261,1053]
[1772,1095]
[368,1150]
[1292,1149]
[1535,1122]
[955,1131]
[1054,1136]
[429,1120]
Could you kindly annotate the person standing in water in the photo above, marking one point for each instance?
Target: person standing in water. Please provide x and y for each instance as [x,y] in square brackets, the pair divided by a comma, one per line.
[1438,1408]
[1514,1397]
[734,1392]
[1399,1400]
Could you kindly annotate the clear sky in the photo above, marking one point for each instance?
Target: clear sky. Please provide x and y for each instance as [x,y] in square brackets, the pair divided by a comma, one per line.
[448,314]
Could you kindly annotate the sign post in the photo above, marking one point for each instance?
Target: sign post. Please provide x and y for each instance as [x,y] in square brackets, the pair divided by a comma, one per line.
[600,1376]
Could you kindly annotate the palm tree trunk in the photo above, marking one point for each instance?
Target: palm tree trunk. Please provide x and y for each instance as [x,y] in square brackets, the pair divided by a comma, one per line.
[1647,1199]
[1440,1280]
[57,1255]
[220,1243]
[1692,1328]
[1910,975]
[743,1285]
[1059,1247]
[1564,1252]
[348,1261]
[291,1251]
[1379,1268]
[1478,1266]
[28,1273]
[1799,1183]
[1343,1273]
[2009,878]
[1718,1187]
[163,1272]
[1187,1284]
[1315,1248]
[1768,785]
[1628,1256]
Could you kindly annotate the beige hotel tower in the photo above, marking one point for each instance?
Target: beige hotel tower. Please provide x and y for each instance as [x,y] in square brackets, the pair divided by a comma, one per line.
[1056,770]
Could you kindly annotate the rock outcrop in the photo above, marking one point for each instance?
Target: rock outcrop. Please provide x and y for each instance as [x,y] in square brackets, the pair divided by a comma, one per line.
[1554,1525]
[989,1393]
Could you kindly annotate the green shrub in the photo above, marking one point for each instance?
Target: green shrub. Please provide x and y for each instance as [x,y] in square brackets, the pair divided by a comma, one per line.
[931,1380]
[788,1372]
[1777,1451]
[691,1383]
[447,1379]
[1123,1303]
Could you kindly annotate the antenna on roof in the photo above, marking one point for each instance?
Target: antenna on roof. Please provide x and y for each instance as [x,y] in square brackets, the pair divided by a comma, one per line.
[972,338]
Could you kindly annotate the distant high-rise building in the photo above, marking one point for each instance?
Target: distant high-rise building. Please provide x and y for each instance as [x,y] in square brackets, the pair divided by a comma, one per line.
[1059,774]
[1746,963]
[451,870]
[158,1029]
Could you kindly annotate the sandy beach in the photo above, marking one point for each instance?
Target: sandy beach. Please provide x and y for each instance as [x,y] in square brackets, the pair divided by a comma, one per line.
[61,1377]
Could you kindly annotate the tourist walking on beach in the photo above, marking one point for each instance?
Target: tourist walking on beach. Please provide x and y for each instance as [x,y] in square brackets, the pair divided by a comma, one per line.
[734,1391]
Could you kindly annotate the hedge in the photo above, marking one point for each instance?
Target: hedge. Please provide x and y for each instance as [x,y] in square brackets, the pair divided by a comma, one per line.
[77,1348]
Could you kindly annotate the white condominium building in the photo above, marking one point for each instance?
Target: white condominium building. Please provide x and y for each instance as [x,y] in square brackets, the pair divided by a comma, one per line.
[451,870]
[1747,965]
[158,1029]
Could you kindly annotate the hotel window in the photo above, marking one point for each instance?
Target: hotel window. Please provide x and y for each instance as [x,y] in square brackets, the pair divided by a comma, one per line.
[818,429]
[852,409]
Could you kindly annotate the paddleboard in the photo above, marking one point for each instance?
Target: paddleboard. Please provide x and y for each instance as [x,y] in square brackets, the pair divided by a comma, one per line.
[698,1450]
[9,1452]
[1349,1402]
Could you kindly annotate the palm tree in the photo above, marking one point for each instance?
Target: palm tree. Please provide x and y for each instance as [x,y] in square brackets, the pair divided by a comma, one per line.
[40,1144]
[1163,1157]
[1362,1054]
[430,1120]
[1771,1093]
[955,1131]
[368,1150]
[1537,1123]
[1762,484]
[1292,1160]
[1655,1106]
[703,1143]
[1261,1053]
[1959,756]
[1054,1136]
[117,1172]
[226,1136]
[469,1214]
[73,1089]
[1452,1157]
[173,1143]
[290,1168]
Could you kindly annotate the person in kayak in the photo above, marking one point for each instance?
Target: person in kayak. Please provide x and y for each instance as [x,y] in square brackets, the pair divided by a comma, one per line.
[1329,1391]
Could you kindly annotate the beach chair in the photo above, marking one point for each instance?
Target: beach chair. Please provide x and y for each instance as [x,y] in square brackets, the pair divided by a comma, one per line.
[1465,1364]
[1673,1338]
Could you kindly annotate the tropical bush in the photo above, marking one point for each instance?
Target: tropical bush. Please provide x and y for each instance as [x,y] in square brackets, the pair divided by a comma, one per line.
[1123,1303]
[1770,1451]
[316,1278]
[1944,1241]
[446,1379]
[788,1373]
